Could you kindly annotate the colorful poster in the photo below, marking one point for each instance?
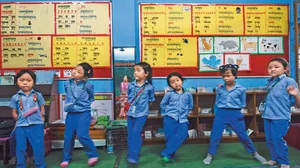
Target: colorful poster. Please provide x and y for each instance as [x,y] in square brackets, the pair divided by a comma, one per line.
[26,51]
[229,20]
[170,52]
[27,19]
[255,19]
[166,20]
[270,45]
[226,44]
[277,21]
[68,51]
[210,62]
[206,45]
[204,19]
[242,60]
[89,18]
[249,44]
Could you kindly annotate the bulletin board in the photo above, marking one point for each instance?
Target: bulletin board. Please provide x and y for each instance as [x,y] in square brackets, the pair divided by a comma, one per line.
[56,36]
[181,37]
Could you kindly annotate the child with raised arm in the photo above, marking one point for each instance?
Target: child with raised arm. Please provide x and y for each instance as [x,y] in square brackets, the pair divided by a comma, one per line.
[282,93]
[142,92]
[177,103]
[230,99]
[79,97]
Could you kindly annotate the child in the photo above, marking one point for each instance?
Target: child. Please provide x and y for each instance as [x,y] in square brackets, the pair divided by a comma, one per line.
[28,109]
[282,93]
[142,92]
[177,103]
[230,99]
[79,96]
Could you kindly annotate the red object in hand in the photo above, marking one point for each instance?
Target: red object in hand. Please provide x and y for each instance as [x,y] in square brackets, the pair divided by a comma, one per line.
[34,97]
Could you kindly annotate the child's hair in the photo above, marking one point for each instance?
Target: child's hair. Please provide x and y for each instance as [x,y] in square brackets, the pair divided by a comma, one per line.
[284,63]
[88,69]
[128,78]
[24,71]
[174,74]
[147,68]
[229,67]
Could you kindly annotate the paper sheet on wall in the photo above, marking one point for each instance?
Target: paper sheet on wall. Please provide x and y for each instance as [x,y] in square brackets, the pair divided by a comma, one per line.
[26,51]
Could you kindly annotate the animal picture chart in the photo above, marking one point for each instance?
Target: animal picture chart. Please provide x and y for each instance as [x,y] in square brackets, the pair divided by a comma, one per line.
[55,35]
[180,36]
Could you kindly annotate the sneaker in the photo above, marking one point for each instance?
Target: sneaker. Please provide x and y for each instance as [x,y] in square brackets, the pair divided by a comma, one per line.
[271,162]
[166,159]
[64,164]
[92,161]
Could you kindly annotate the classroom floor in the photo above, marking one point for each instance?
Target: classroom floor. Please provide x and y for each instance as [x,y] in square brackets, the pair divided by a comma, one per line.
[189,156]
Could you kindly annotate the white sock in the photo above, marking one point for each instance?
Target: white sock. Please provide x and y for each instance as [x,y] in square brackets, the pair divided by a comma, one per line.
[208,159]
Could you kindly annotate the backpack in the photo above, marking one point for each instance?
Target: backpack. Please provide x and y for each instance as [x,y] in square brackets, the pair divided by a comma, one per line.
[6,127]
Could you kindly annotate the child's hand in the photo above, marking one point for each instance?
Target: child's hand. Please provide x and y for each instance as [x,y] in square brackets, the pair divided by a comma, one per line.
[293,91]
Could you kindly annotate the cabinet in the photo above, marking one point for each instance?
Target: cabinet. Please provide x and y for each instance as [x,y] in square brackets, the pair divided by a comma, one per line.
[197,120]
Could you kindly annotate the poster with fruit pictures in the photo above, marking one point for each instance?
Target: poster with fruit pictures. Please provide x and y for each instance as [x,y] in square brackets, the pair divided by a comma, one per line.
[240,59]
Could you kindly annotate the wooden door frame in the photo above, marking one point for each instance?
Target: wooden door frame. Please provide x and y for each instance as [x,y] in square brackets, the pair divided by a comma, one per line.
[296,38]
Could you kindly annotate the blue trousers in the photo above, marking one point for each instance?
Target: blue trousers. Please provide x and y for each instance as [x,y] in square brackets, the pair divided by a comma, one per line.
[235,119]
[134,130]
[35,136]
[13,145]
[275,130]
[175,134]
[78,124]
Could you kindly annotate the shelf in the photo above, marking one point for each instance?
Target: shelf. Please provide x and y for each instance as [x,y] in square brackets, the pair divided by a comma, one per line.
[212,115]
[211,94]
[160,116]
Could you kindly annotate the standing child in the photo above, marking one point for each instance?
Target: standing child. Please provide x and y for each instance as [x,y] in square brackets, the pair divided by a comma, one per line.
[28,109]
[282,94]
[142,92]
[79,96]
[177,103]
[230,99]
[123,95]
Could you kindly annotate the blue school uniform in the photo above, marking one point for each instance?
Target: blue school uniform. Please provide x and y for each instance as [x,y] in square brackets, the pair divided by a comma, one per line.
[137,115]
[29,128]
[177,107]
[277,117]
[229,103]
[79,97]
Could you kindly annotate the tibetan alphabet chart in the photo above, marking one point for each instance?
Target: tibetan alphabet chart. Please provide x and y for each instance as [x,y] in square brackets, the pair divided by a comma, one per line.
[190,37]
[56,36]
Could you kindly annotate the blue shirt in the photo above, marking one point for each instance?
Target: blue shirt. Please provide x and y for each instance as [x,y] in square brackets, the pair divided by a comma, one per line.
[177,105]
[79,96]
[279,101]
[141,103]
[27,103]
[233,98]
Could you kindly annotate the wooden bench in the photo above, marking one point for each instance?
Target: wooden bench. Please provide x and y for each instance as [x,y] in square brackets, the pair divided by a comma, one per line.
[4,142]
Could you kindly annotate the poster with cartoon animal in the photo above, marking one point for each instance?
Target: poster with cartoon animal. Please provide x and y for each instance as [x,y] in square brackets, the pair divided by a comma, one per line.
[206,45]
[210,62]
[270,45]
[226,44]
[249,44]
[240,59]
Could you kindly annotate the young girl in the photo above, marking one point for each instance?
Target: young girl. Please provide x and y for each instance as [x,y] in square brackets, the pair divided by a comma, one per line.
[79,96]
[142,91]
[28,109]
[283,93]
[123,95]
[230,99]
[177,103]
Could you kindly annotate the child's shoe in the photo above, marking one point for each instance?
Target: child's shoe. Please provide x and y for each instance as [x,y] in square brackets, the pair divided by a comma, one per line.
[261,159]
[64,164]
[132,161]
[166,159]
[285,166]
[30,160]
[208,159]
[92,161]
[12,161]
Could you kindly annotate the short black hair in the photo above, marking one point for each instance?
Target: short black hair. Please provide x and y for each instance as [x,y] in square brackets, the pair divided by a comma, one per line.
[24,71]
[174,74]
[284,63]
[147,68]
[229,67]
[88,69]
